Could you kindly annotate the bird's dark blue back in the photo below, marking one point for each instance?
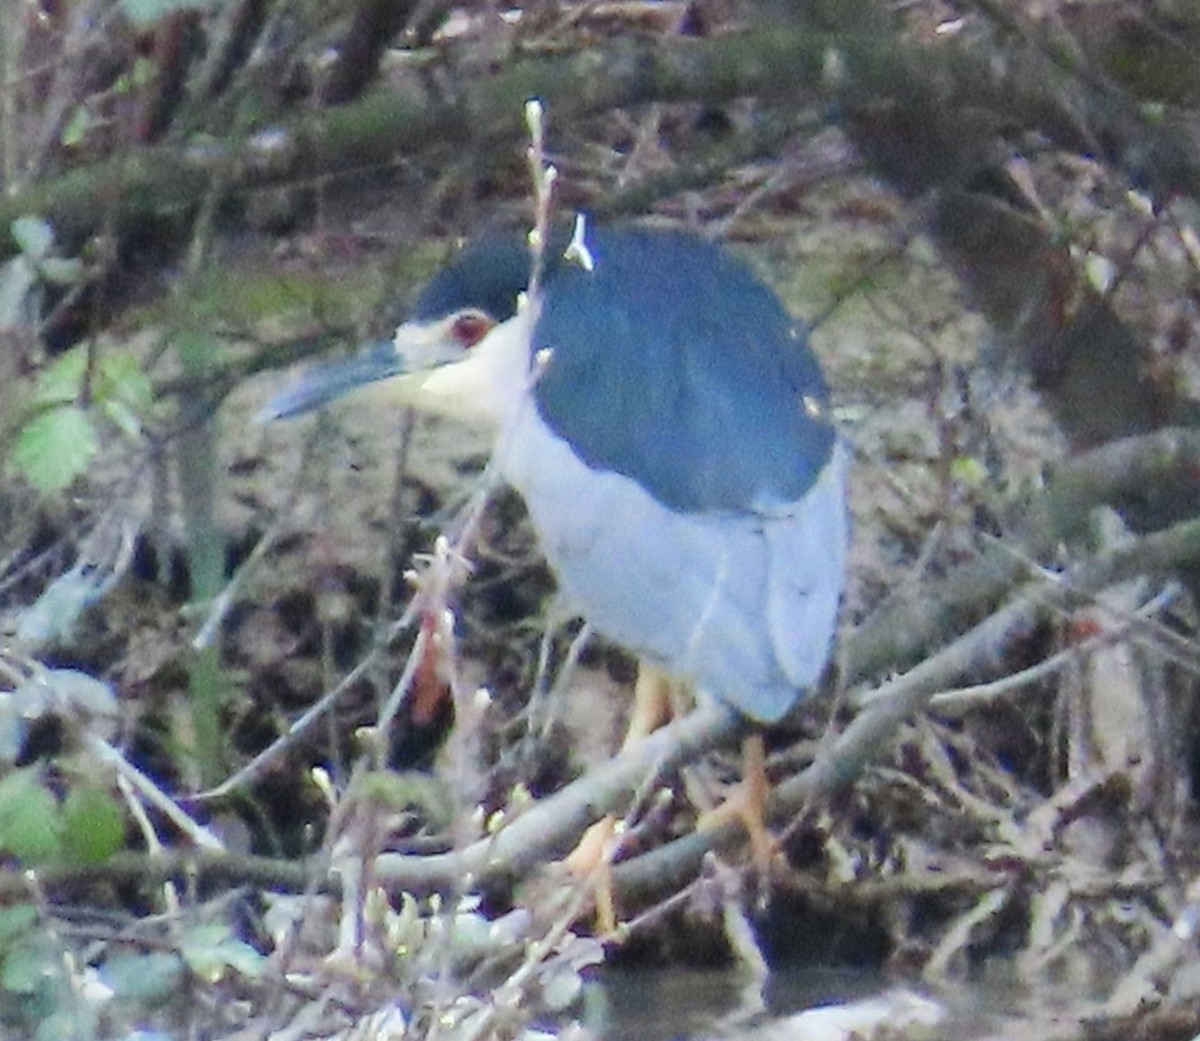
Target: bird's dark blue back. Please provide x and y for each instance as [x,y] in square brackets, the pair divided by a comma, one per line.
[670,363]
[673,365]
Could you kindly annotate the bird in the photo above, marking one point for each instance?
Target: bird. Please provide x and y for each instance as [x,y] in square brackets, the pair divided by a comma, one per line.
[670,431]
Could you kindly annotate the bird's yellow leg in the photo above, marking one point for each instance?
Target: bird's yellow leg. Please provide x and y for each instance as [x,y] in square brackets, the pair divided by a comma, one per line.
[652,695]
[591,862]
[591,859]
[749,803]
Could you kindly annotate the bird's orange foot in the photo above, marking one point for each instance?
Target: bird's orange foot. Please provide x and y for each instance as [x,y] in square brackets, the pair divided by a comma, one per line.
[748,804]
[653,698]
[591,862]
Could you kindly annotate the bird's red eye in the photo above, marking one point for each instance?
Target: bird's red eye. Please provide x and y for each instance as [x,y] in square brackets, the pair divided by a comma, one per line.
[470,327]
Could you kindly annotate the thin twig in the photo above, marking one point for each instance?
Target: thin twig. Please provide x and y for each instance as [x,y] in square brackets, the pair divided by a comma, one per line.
[149,791]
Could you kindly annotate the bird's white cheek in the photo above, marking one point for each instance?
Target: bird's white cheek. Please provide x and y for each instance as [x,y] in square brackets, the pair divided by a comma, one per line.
[490,383]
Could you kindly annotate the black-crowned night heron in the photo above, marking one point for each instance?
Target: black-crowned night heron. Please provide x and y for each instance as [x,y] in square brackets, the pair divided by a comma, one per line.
[670,432]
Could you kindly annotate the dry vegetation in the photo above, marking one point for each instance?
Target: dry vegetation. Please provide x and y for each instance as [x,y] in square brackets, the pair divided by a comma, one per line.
[290,736]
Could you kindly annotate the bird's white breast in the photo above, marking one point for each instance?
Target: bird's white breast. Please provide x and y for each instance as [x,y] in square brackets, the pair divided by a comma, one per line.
[743,605]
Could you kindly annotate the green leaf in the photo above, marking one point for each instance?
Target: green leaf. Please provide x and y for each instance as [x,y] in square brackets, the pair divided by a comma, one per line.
[56,447]
[15,923]
[969,471]
[145,72]
[18,292]
[29,967]
[211,950]
[243,958]
[34,237]
[62,382]
[123,392]
[122,417]
[51,618]
[72,1020]
[155,975]
[198,352]
[13,728]
[120,375]
[140,76]
[61,271]
[93,827]
[77,126]
[30,821]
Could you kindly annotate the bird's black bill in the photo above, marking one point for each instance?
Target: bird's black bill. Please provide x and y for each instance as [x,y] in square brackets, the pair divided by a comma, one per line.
[325,383]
